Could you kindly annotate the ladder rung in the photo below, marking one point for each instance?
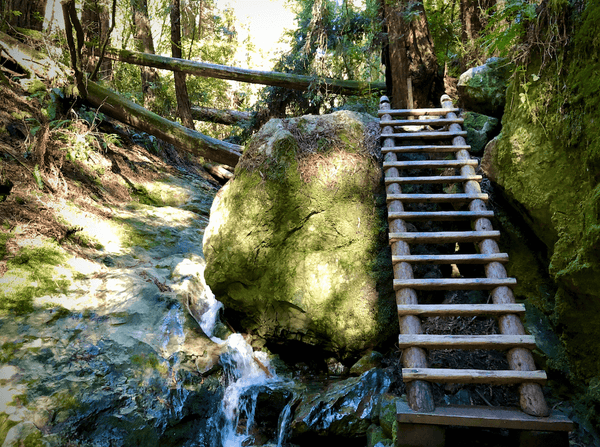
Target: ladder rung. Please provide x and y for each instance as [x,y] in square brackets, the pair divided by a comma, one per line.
[430,148]
[459,310]
[503,377]
[436,198]
[417,112]
[426,134]
[423,122]
[443,236]
[439,215]
[421,164]
[451,259]
[433,179]
[454,283]
[495,341]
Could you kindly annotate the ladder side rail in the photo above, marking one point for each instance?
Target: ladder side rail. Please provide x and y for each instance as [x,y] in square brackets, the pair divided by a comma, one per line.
[419,392]
[532,399]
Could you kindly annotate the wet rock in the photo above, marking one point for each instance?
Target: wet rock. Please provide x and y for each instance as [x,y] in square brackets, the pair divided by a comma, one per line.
[346,408]
[292,238]
[119,358]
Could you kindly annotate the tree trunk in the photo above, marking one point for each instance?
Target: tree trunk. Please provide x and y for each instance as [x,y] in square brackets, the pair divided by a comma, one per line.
[115,106]
[396,57]
[31,13]
[286,80]
[95,20]
[411,54]
[220,116]
[144,43]
[181,93]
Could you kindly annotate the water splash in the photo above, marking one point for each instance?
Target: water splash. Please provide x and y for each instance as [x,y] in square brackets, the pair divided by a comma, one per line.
[246,374]
[209,318]
[284,419]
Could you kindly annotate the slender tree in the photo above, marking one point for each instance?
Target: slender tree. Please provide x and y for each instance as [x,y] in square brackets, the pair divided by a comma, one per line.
[181,93]
[145,44]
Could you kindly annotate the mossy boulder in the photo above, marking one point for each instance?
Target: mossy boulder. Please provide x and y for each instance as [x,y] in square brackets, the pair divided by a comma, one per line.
[480,130]
[547,162]
[296,244]
[482,89]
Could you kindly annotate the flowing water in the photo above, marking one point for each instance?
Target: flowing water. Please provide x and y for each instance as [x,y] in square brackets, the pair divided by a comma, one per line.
[247,373]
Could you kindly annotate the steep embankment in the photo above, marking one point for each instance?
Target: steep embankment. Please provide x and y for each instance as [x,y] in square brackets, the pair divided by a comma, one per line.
[547,162]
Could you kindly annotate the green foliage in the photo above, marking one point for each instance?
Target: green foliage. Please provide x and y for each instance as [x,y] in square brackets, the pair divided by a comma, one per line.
[508,26]
[444,25]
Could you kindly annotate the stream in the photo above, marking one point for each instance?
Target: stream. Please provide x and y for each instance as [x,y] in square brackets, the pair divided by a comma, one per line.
[134,353]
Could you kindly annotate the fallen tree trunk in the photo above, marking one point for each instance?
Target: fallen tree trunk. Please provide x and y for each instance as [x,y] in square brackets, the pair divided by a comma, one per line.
[286,80]
[180,136]
[119,108]
[219,116]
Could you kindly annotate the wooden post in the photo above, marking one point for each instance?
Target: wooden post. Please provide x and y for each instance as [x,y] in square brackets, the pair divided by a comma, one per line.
[419,393]
[410,92]
[531,396]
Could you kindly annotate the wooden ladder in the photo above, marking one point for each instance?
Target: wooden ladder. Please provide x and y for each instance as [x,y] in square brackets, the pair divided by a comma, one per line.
[400,130]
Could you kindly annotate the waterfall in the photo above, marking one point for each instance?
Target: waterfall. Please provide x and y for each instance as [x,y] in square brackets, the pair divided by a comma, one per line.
[246,373]
[284,420]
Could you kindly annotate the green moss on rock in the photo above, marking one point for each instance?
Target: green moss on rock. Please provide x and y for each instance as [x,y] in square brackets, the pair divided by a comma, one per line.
[547,161]
[293,239]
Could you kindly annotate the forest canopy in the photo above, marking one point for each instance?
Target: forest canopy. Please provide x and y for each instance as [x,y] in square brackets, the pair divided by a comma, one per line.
[432,42]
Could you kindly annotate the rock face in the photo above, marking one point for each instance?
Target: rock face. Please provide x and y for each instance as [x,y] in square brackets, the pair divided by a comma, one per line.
[547,162]
[482,89]
[480,130]
[295,239]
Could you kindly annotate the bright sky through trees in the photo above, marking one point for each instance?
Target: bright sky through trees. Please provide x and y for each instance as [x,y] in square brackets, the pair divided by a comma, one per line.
[266,21]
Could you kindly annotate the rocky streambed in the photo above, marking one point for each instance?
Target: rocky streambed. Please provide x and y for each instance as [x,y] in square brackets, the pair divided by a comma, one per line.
[120,358]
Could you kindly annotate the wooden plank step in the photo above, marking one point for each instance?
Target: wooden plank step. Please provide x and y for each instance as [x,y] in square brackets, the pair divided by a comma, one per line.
[439,215]
[459,310]
[504,377]
[451,259]
[442,237]
[425,134]
[436,198]
[483,417]
[494,341]
[422,164]
[425,148]
[433,179]
[422,122]
[454,283]
[417,112]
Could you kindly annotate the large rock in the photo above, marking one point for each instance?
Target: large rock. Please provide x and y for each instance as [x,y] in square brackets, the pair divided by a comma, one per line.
[547,162]
[295,243]
[482,89]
